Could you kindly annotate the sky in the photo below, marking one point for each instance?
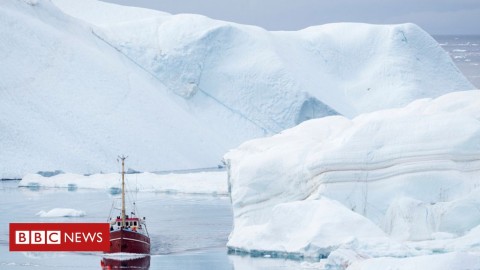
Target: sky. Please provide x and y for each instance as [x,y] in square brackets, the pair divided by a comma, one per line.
[434,16]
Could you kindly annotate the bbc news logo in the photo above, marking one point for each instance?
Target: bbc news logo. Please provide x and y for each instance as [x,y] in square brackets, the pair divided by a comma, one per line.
[59,237]
[37,237]
[53,237]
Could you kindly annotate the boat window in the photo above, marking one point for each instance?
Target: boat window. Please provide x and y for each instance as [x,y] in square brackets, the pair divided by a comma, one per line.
[119,223]
[135,223]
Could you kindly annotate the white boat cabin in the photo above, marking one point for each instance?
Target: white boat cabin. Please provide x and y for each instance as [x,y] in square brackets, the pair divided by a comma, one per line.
[131,223]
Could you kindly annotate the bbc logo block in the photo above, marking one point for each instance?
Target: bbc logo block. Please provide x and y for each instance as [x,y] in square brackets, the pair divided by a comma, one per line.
[59,237]
[37,237]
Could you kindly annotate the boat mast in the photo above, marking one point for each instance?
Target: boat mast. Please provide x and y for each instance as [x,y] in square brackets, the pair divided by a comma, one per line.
[123,190]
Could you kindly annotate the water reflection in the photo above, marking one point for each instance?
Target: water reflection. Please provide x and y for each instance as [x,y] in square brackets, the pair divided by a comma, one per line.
[245,262]
[72,187]
[125,263]
[115,190]
[34,186]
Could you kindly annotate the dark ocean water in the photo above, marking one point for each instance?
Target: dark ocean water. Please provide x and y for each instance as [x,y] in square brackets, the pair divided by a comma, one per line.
[465,52]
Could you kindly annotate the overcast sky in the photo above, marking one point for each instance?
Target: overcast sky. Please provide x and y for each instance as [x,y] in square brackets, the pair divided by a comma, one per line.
[435,16]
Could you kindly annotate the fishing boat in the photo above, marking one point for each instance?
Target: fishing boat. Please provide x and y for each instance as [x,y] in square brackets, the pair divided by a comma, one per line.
[128,233]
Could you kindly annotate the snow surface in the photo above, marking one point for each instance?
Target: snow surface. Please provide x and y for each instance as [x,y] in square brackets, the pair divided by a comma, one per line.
[193,183]
[414,172]
[178,91]
[61,212]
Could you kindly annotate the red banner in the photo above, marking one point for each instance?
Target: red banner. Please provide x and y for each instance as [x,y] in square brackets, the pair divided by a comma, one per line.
[59,237]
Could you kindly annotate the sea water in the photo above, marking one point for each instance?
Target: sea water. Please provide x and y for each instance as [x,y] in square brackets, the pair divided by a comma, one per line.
[187,231]
[465,53]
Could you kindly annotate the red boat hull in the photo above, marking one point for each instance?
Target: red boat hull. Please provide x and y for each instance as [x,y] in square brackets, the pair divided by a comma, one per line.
[129,242]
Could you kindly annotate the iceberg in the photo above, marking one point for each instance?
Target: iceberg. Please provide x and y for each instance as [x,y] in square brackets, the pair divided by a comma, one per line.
[278,78]
[313,229]
[61,212]
[412,173]
[84,81]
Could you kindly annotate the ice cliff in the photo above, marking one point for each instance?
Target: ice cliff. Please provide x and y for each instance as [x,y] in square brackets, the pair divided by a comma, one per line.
[405,175]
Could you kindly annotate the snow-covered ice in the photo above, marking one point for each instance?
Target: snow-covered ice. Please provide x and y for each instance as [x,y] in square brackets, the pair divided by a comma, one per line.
[61,212]
[313,229]
[414,172]
[178,91]
[193,183]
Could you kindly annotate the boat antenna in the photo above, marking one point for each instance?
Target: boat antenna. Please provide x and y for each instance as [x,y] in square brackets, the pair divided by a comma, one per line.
[123,189]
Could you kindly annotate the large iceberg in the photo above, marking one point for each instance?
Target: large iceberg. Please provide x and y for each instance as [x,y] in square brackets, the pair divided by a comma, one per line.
[414,172]
[84,81]
[349,68]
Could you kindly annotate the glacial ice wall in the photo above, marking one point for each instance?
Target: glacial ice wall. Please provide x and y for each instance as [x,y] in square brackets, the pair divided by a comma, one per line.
[413,171]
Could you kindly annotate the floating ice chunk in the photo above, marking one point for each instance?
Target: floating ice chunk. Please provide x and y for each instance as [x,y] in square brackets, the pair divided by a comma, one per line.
[61,212]
[213,182]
